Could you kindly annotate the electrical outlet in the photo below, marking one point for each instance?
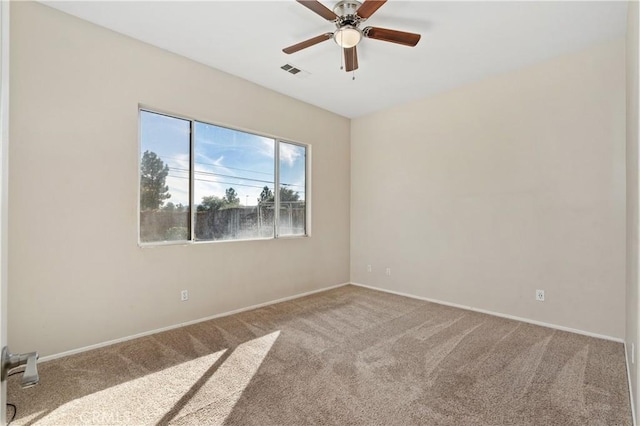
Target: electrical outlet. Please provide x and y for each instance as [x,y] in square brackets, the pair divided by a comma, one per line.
[369,269]
[184,295]
[389,272]
[540,295]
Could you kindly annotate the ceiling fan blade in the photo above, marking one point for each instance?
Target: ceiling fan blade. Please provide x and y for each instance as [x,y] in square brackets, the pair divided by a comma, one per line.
[319,8]
[351,59]
[393,36]
[307,43]
[369,7]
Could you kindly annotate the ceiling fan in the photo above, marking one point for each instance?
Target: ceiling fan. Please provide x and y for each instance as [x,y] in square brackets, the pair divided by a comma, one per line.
[347,15]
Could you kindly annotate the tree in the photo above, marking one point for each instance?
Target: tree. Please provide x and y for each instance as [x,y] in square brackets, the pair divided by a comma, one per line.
[231,197]
[153,176]
[287,194]
[178,208]
[266,195]
[210,203]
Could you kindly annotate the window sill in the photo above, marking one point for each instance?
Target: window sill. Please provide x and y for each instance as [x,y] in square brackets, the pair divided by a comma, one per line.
[194,243]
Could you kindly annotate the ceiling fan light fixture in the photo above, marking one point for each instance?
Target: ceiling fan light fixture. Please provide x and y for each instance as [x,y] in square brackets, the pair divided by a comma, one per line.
[347,36]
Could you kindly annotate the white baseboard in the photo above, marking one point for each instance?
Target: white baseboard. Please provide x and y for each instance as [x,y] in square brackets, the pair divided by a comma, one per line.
[183,324]
[496,314]
[631,401]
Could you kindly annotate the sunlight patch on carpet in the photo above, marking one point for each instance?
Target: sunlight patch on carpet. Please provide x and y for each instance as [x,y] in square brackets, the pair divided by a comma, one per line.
[140,401]
[223,390]
[148,399]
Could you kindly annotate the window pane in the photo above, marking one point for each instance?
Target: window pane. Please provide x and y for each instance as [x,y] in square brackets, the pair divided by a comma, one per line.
[292,189]
[164,177]
[233,184]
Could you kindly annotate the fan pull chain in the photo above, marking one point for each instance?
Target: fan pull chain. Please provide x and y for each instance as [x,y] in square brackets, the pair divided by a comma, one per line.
[341,60]
[353,59]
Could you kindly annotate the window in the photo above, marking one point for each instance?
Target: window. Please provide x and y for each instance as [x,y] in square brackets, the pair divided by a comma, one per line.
[241,185]
[292,162]
[164,177]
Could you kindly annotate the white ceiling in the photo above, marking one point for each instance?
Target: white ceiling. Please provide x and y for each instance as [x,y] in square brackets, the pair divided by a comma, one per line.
[461,42]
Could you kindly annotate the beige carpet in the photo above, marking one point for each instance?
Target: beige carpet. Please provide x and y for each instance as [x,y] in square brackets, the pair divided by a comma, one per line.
[345,356]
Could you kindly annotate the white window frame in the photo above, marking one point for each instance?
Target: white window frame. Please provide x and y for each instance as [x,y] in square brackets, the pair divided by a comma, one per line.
[192,210]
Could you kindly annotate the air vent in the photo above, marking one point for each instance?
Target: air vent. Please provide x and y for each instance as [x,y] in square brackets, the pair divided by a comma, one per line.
[292,69]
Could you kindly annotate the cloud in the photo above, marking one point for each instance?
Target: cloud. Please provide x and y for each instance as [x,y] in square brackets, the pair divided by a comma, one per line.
[208,163]
[290,153]
[266,147]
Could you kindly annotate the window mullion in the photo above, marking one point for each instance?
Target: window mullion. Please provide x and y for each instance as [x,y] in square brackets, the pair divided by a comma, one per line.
[192,210]
[276,191]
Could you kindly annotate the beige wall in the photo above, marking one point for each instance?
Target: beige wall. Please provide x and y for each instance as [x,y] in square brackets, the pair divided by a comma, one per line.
[77,276]
[633,199]
[481,195]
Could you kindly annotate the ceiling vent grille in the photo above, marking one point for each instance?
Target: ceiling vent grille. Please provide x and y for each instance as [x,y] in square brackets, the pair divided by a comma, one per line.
[292,69]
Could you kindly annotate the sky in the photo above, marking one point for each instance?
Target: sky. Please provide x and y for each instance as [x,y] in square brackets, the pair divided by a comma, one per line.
[223,158]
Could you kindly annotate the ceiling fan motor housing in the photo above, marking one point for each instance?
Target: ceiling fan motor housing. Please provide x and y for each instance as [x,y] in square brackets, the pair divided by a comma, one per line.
[346,11]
